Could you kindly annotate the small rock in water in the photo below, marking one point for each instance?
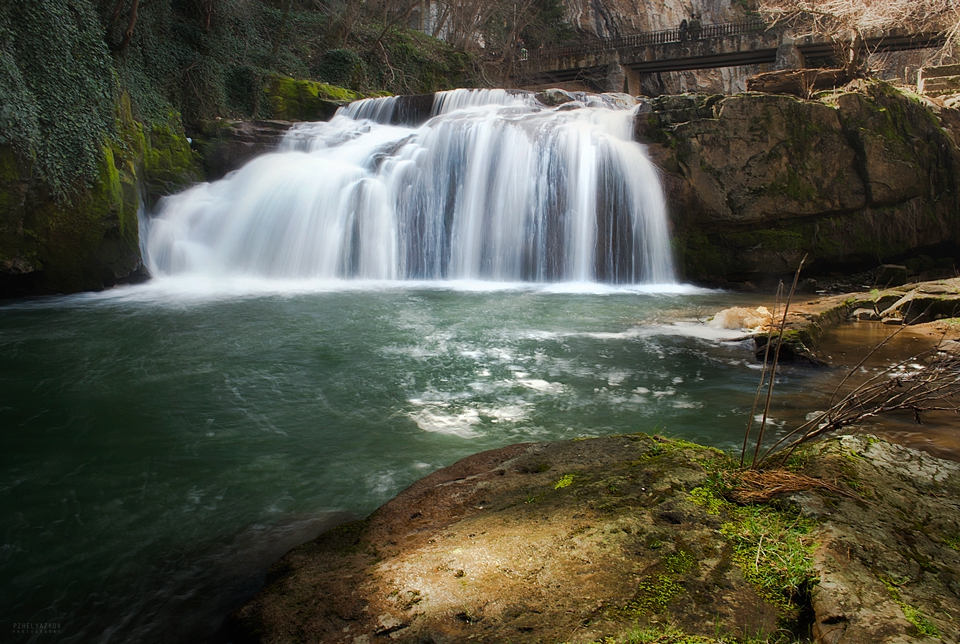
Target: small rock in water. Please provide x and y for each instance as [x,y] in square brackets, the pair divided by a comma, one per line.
[865,314]
[740,317]
[553,97]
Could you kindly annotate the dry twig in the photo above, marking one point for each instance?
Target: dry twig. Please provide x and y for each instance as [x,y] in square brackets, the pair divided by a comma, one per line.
[751,486]
[935,386]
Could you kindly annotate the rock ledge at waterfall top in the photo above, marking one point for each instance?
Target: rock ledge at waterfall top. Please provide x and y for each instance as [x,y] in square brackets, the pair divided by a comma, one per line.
[757,181]
[581,540]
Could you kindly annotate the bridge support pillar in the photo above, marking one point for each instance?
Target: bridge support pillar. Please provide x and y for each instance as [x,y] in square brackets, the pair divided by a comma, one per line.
[632,78]
[621,79]
[789,55]
[615,77]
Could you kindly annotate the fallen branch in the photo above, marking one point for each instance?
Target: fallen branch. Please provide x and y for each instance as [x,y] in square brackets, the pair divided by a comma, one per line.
[933,387]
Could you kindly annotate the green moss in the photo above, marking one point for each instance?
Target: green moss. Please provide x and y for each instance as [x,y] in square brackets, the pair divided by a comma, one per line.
[925,628]
[773,546]
[655,132]
[68,236]
[654,593]
[9,166]
[922,624]
[679,563]
[91,238]
[671,635]
[565,481]
[304,100]
[169,162]
[701,257]
[792,184]
[705,498]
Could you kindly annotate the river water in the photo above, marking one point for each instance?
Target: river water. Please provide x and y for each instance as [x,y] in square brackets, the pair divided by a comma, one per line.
[162,443]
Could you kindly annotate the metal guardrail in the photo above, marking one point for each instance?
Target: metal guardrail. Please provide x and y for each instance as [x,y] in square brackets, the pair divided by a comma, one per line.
[649,38]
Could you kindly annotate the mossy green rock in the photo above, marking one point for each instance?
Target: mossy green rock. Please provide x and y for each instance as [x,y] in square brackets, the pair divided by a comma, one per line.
[82,243]
[89,239]
[169,163]
[758,181]
[305,100]
[571,541]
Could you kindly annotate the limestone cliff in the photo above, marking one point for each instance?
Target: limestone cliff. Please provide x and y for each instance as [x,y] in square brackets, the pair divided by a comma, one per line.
[757,181]
[606,18]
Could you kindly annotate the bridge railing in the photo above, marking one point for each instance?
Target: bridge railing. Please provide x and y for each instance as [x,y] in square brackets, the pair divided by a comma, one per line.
[649,38]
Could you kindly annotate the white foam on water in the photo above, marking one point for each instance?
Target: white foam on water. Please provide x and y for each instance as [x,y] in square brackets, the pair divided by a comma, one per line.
[437,420]
[542,386]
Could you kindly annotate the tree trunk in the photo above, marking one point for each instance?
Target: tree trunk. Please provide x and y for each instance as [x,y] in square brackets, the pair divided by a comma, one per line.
[128,34]
[283,25]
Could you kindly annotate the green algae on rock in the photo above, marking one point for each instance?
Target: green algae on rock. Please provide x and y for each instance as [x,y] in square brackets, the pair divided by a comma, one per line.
[305,100]
[641,540]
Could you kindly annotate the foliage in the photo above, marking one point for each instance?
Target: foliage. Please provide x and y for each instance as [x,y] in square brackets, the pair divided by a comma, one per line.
[849,17]
[57,89]
[186,62]
[565,481]
[774,550]
[847,20]
[548,25]
[342,67]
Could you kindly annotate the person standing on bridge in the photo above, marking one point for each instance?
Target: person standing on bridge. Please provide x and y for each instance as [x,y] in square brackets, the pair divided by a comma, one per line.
[695,26]
[683,30]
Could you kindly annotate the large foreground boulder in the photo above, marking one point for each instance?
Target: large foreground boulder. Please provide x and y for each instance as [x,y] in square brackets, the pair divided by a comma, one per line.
[583,540]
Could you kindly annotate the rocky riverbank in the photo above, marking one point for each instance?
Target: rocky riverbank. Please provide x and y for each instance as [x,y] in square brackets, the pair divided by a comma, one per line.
[646,539]
[625,537]
[927,309]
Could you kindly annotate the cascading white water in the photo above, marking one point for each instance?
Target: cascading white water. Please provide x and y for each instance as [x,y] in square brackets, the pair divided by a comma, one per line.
[494,186]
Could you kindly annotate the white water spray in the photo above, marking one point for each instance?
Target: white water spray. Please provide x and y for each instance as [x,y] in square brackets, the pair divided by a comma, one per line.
[494,186]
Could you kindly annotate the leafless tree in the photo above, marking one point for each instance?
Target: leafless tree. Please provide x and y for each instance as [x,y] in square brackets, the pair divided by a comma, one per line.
[847,21]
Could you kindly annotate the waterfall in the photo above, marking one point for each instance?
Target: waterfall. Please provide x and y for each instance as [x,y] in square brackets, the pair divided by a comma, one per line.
[494,186]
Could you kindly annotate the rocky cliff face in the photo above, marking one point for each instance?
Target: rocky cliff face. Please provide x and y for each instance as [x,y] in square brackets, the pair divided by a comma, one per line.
[609,18]
[88,240]
[606,18]
[758,181]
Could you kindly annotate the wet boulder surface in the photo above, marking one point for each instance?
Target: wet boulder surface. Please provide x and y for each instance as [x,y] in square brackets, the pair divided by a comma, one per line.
[583,540]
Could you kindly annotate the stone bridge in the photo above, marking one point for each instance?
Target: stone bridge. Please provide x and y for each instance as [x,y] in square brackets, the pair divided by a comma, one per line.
[616,64]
